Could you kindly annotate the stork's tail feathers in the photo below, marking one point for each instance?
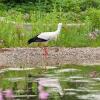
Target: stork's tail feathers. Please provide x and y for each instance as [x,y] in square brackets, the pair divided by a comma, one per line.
[32,40]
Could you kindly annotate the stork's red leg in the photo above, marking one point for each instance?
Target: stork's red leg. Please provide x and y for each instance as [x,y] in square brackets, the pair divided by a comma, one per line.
[45,54]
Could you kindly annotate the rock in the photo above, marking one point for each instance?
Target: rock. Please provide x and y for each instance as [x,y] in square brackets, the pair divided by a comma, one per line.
[94,34]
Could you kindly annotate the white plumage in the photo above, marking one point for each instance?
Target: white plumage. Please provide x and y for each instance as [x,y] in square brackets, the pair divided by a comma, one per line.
[46,36]
[51,35]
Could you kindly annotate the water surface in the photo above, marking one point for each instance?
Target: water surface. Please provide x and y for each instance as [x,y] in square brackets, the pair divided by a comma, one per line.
[68,82]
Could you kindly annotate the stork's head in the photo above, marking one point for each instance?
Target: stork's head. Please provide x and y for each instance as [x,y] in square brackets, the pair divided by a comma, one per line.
[60,24]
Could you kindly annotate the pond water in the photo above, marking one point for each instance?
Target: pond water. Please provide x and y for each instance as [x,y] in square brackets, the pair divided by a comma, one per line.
[68,82]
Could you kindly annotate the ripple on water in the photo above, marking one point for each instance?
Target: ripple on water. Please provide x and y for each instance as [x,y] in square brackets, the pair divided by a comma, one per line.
[81,90]
[71,93]
[81,81]
[49,67]
[15,79]
[89,97]
[97,79]
[76,77]
[14,69]
[67,70]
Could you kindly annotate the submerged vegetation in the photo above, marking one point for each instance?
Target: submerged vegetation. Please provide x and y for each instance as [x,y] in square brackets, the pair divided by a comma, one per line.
[22,19]
[75,81]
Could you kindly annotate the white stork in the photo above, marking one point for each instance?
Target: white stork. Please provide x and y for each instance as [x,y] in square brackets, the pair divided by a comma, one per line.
[45,37]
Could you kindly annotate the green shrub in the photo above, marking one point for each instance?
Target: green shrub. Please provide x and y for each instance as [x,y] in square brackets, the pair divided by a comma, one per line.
[49,5]
[2,7]
[85,4]
[94,16]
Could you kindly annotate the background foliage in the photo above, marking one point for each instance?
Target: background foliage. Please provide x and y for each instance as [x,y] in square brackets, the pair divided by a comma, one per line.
[49,5]
[44,15]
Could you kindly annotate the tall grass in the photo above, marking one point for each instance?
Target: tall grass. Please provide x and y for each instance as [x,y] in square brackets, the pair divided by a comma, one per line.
[14,34]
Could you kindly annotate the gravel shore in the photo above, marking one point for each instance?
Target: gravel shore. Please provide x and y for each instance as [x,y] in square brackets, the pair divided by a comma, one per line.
[24,57]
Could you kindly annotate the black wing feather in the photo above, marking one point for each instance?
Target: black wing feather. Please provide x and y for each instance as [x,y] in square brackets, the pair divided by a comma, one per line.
[36,39]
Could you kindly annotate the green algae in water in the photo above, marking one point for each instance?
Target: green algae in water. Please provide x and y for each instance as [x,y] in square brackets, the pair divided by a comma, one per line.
[77,82]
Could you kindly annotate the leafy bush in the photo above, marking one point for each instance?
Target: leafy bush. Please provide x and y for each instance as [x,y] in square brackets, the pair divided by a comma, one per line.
[17,1]
[2,7]
[85,4]
[94,17]
[49,5]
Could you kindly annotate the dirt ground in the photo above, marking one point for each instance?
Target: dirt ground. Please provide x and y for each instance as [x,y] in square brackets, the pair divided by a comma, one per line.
[22,57]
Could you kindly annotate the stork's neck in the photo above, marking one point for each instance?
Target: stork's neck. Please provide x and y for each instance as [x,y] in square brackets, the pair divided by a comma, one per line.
[58,29]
